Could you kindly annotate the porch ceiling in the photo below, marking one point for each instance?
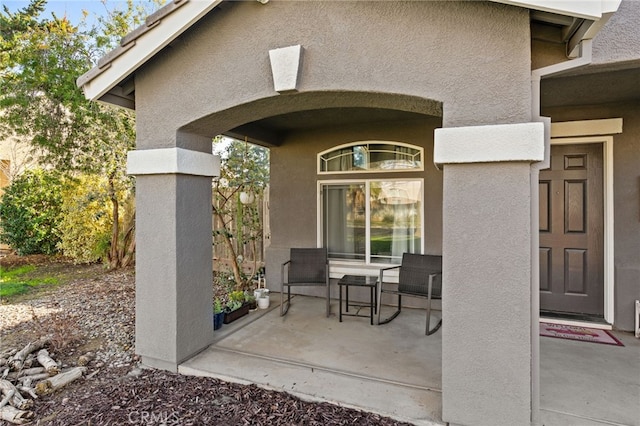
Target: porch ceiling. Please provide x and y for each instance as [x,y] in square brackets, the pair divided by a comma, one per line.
[271,131]
[592,88]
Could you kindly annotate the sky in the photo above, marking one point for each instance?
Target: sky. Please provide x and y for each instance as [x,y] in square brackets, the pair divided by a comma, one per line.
[72,9]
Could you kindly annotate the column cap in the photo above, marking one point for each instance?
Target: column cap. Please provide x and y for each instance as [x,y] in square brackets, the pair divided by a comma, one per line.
[491,143]
[172,161]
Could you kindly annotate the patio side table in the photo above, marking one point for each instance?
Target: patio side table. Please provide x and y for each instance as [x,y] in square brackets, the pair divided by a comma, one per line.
[359,281]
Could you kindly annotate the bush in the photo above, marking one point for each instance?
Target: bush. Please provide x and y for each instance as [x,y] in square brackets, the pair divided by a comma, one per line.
[85,229]
[30,210]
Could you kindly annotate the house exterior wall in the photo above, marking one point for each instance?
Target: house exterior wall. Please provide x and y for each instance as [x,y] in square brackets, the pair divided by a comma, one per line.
[626,161]
[471,59]
[619,39]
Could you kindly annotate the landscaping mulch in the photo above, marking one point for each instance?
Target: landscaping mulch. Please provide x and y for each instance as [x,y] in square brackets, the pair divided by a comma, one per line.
[93,310]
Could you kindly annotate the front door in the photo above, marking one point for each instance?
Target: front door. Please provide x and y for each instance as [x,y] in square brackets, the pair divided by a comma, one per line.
[572,231]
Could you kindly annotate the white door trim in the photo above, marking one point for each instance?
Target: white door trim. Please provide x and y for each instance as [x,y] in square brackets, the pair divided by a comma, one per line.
[607,147]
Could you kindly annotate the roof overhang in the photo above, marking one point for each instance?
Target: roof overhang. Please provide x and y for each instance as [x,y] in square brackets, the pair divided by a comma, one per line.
[575,20]
[585,9]
[111,81]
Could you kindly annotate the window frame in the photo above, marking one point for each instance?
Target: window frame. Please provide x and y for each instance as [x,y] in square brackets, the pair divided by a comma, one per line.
[420,150]
[367,264]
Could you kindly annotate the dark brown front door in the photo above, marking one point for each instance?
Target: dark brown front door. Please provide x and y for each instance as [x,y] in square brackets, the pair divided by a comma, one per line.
[572,231]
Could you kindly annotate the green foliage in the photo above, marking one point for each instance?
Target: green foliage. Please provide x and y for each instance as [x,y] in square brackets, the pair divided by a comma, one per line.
[41,59]
[244,167]
[86,219]
[217,306]
[14,281]
[30,210]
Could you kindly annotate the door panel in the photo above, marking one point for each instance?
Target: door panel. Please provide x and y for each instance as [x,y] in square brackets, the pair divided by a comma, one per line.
[572,231]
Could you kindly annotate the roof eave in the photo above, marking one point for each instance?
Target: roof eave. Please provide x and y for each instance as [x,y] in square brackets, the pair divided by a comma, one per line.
[592,10]
[100,83]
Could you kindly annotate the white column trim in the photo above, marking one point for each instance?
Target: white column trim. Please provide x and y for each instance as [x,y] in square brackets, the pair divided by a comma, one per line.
[609,270]
[610,126]
[172,161]
[492,143]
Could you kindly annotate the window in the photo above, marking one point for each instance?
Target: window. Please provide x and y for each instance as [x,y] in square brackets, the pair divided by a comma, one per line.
[371,220]
[371,156]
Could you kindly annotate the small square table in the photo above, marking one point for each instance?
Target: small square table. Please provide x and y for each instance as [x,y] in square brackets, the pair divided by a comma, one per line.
[359,281]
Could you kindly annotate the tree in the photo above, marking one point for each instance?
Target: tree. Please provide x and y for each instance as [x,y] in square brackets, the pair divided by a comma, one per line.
[41,60]
[30,210]
[244,168]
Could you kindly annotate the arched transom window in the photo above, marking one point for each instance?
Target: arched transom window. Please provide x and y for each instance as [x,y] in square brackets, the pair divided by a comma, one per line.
[370,156]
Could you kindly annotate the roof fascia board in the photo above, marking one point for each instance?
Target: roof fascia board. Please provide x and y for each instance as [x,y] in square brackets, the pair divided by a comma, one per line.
[147,45]
[586,9]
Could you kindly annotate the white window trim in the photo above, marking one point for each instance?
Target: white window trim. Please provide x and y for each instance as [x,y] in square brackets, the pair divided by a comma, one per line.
[347,145]
[609,272]
[340,267]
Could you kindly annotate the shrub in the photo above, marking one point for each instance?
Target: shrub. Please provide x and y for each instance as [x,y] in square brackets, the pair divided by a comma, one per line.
[86,219]
[30,210]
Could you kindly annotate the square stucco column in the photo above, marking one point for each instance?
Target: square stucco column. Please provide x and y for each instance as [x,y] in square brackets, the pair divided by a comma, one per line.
[174,275]
[489,357]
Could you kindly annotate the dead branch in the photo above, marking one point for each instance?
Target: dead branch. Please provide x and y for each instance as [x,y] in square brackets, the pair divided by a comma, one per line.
[7,398]
[16,399]
[15,416]
[26,380]
[86,358]
[16,361]
[25,372]
[49,364]
[8,353]
[56,382]
[28,390]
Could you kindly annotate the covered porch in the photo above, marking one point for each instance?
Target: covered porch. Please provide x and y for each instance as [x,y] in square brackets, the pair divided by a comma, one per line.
[396,371]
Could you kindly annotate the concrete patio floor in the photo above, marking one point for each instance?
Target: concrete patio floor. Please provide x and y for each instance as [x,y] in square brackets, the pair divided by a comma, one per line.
[395,370]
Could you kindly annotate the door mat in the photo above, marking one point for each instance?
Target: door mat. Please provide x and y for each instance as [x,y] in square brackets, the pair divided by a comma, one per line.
[584,334]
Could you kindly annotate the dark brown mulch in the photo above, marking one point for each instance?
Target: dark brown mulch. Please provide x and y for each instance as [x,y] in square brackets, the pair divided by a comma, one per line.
[158,397]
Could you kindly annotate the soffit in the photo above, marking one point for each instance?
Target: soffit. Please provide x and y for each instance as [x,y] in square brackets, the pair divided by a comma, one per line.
[594,88]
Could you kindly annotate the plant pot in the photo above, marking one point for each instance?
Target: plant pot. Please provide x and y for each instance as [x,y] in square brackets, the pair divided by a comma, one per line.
[234,315]
[263,301]
[218,320]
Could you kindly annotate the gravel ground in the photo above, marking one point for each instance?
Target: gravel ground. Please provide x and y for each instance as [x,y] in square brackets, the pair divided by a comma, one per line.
[94,311]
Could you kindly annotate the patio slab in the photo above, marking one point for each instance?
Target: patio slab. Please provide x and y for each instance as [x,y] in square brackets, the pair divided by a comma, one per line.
[395,370]
[353,363]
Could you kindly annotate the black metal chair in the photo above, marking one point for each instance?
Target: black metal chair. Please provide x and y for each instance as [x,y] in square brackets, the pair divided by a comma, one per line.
[305,267]
[419,276]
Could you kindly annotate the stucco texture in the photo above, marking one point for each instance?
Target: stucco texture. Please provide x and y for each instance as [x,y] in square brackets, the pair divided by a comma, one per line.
[471,56]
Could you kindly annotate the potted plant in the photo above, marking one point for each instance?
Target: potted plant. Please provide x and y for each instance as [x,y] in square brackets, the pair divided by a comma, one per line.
[250,300]
[236,307]
[218,314]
